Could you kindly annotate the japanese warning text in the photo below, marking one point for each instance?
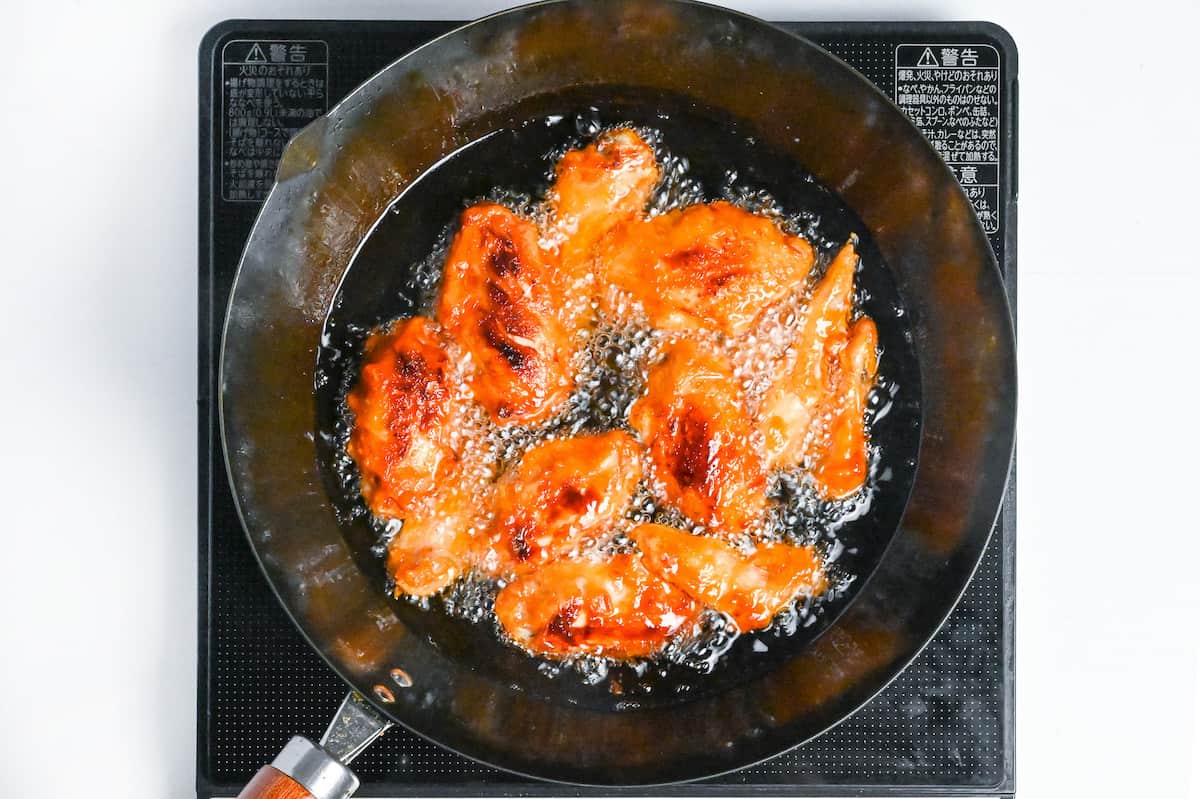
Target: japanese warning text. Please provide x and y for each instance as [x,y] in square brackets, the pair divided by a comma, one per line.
[952,93]
[269,91]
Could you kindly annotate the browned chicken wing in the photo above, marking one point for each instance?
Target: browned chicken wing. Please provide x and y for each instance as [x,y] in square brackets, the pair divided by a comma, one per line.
[404,425]
[561,493]
[706,266]
[749,588]
[401,406]
[615,608]
[436,547]
[808,378]
[497,301]
[693,419]
[840,455]
[596,188]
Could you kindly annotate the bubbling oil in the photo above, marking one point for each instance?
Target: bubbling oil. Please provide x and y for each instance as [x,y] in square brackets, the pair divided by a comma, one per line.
[611,365]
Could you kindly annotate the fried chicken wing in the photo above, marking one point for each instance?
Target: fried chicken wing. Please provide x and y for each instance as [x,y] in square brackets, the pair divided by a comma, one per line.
[615,608]
[840,456]
[749,588]
[401,406]
[595,189]
[562,492]
[434,548]
[498,302]
[705,267]
[806,383]
[702,444]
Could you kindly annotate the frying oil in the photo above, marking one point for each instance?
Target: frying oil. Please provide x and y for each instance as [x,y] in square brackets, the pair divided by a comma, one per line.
[611,366]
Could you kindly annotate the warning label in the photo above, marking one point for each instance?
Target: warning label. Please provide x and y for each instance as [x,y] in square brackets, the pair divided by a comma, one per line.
[952,93]
[270,89]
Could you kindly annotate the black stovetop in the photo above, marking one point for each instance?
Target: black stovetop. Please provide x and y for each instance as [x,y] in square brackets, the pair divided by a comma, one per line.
[944,726]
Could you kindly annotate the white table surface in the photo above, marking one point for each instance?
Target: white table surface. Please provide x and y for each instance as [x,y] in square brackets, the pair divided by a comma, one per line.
[98,124]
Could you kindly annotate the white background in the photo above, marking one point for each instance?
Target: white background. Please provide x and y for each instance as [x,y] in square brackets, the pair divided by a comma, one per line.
[98,120]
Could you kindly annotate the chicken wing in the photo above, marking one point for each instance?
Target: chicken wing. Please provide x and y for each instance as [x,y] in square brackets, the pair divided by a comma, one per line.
[702,444]
[562,492]
[806,383]
[401,406]
[840,455]
[436,547]
[497,301]
[596,188]
[705,267]
[615,608]
[749,588]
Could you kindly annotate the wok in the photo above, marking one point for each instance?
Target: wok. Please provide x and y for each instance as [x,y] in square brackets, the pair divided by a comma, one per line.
[365,191]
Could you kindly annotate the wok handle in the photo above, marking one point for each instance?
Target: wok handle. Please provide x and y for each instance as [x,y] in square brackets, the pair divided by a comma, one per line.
[271,783]
[302,770]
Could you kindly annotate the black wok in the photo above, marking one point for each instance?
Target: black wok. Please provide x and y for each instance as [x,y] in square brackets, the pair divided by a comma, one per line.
[479,108]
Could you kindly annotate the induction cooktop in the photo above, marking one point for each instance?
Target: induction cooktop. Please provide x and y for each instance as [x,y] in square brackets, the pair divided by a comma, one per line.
[943,727]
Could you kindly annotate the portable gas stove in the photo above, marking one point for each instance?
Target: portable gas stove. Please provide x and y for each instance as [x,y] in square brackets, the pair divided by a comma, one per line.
[943,727]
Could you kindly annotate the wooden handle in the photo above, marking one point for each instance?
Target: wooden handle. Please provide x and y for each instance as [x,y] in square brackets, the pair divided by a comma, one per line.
[271,783]
[302,770]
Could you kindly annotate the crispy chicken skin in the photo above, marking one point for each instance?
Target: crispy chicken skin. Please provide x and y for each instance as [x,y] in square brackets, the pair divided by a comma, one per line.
[498,302]
[435,548]
[808,378]
[615,608]
[595,189]
[749,588]
[401,406]
[705,267]
[560,494]
[702,445]
[840,455]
